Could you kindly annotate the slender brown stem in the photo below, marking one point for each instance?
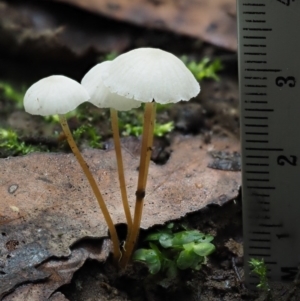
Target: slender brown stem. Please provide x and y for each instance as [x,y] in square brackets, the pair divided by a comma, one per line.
[88,174]
[115,128]
[150,144]
[146,150]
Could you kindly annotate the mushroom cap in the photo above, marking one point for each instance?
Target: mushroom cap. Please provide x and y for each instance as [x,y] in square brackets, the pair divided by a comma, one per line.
[148,74]
[100,95]
[56,94]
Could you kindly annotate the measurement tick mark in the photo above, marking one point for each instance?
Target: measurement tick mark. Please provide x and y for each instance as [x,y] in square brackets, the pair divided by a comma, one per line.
[256,164]
[253,13]
[260,248]
[253,77]
[265,149]
[255,21]
[259,110]
[257,133]
[283,235]
[256,101]
[256,117]
[257,180]
[261,187]
[255,53]
[255,37]
[258,157]
[258,141]
[256,62]
[258,173]
[257,29]
[271,225]
[253,4]
[254,45]
[264,70]
[256,86]
[256,125]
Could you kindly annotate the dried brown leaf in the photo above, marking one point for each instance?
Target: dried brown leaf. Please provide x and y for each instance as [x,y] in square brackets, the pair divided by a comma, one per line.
[46,204]
[213,21]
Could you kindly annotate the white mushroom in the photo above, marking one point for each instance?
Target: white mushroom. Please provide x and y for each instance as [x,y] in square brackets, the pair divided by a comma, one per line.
[101,97]
[148,75]
[58,94]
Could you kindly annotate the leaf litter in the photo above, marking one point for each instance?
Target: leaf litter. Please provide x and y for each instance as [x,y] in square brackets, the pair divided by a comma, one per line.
[47,205]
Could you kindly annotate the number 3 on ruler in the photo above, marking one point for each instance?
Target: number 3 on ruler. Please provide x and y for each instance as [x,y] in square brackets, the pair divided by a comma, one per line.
[281,81]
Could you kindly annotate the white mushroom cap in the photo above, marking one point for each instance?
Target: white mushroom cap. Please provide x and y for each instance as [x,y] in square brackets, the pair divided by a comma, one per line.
[148,74]
[56,94]
[100,96]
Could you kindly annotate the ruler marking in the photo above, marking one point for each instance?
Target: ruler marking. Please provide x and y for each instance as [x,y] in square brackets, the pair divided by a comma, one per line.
[256,62]
[253,77]
[258,172]
[257,164]
[265,149]
[261,233]
[256,94]
[262,240]
[256,101]
[255,21]
[253,13]
[260,248]
[256,125]
[256,117]
[255,37]
[259,255]
[255,45]
[258,157]
[263,70]
[257,29]
[258,180]
[271,225]
[255,53]
[257,133]
[258,141]
[253,4]
[261,187]
[259,110]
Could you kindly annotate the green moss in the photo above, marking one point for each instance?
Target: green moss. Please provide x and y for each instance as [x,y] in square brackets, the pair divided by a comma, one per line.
[88,133]
[204,69]
[11,145]
[11,93]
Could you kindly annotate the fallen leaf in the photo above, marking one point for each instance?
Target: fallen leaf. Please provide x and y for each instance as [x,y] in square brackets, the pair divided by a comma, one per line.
[211,21]
[59,271]
[57,207]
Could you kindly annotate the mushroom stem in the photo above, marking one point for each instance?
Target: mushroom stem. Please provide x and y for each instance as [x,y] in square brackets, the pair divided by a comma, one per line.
[146,150]
[115,128]
[97,193]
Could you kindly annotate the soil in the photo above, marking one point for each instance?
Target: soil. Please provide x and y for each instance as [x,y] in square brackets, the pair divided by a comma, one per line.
[214,112]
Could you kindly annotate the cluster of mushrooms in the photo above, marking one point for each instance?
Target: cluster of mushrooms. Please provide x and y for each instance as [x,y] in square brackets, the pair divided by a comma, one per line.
[144,75]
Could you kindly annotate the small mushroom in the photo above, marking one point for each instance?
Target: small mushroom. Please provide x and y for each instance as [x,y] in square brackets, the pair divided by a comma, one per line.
[58,94]
[148,75]
[101,97]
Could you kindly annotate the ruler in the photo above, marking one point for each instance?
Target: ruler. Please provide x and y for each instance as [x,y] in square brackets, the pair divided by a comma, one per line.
[269,78]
